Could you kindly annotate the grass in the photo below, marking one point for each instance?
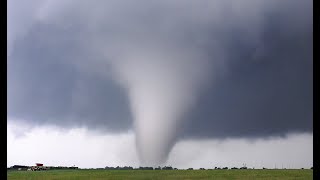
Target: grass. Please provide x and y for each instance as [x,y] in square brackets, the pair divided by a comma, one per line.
[161,174]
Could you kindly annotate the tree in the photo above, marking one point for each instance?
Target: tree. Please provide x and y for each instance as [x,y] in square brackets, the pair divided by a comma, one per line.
[167,168]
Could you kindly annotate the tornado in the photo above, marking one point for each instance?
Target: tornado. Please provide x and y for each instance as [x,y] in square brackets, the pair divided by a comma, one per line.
[162,85]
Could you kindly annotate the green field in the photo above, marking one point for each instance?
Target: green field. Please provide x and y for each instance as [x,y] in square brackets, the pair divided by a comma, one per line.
[162,174]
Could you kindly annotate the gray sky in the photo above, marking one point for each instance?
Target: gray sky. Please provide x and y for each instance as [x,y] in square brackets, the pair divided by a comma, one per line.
[184,69]
[97,150]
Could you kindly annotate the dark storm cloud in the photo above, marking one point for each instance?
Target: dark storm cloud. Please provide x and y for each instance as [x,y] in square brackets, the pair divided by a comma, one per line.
[268,89]
[43,88]
[263,86]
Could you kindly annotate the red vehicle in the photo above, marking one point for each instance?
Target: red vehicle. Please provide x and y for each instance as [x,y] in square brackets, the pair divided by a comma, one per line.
[39,164]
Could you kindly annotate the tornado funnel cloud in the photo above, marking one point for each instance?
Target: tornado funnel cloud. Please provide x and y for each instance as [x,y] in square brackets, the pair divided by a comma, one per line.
[161,87]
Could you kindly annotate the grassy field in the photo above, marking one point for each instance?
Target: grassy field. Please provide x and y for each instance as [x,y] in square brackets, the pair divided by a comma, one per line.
[161,174]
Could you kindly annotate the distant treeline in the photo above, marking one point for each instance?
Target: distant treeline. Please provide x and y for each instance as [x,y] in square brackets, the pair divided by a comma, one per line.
[161,168]
[140,168]
[38,168]
[171,168]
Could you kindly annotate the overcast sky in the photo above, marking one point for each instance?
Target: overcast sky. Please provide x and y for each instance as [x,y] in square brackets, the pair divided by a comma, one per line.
[86,149]
[216,75]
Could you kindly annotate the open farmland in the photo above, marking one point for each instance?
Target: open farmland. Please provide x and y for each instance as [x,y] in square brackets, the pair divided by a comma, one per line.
[162,174]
